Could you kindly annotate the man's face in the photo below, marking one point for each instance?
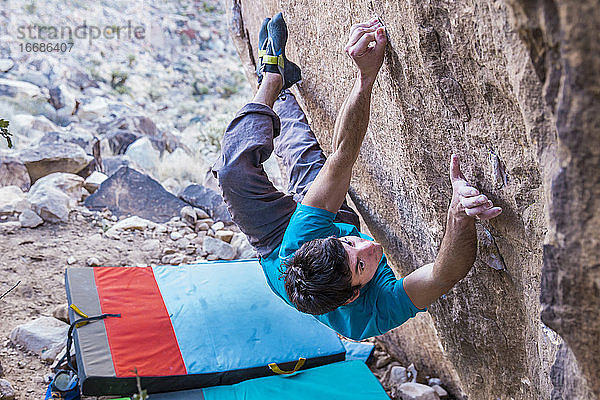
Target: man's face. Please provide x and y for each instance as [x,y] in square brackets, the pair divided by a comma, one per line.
[363,258]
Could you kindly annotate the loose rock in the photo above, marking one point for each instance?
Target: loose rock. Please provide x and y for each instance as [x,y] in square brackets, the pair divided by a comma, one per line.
[218,248]
[416,391]
[440,391]
[189,215]
[176,235]
[93,262]
[201,214]
[93,182]
[208,200]
[151,245]
[143,153]
[224,235]
[201,226]
[6,64]
[133,223]
[398,375]
[41,334]
[243,247]
[61,312]
[69,184]
[29,219]
[51,204]
[412,371]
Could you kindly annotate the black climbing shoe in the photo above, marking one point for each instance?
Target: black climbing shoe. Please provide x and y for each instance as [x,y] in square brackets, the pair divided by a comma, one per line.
[262,46]
[273,58]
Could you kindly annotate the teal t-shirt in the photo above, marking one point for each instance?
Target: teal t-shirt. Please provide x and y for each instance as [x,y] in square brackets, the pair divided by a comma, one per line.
[382,305]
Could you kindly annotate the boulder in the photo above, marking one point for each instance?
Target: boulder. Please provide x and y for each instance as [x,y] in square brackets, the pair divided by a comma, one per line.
[14,172]
[121,132]
[27,128]
[512,88]
[91,110]
[6,64]
[218,248]
[69,184]
[113,163]
[208,200]
[188,214]
[129,192]
[54,157]
[93,182]
[29,219]
[12,200]
[398,375]
[20,90]
[243,248]
[51,204]
[82,80]
[43,333]
[63,98]
[81,137]
[143,154]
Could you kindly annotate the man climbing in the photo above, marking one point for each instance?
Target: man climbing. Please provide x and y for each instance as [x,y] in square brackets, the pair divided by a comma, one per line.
[310,247]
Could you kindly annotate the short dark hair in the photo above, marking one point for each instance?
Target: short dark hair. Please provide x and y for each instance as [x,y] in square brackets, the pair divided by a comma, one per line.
[318,277]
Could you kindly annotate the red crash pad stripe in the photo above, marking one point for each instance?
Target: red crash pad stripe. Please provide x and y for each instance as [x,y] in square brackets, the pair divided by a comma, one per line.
[143,338]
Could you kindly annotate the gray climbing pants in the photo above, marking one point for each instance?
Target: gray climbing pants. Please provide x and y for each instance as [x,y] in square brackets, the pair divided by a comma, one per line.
[260,210]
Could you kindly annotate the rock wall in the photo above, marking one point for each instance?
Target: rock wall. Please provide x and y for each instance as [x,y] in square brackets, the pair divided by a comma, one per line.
[514,87]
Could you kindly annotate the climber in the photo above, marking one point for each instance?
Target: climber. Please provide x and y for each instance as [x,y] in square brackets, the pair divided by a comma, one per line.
[308,239]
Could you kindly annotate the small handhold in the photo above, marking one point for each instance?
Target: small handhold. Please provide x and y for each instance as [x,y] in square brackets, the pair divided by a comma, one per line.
[498,172]
[489,252]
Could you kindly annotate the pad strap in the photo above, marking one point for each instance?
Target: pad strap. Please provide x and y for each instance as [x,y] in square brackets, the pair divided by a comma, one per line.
[275,368]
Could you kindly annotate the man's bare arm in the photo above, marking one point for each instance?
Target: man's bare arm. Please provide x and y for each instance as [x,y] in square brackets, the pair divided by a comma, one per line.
[459,246]
[329,188]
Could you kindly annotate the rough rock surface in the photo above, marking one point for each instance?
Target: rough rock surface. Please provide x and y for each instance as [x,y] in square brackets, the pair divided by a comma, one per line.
[512,87]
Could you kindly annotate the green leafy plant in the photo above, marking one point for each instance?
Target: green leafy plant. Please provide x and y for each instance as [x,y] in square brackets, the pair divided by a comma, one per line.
[4,131]
[118,78]
[130,60]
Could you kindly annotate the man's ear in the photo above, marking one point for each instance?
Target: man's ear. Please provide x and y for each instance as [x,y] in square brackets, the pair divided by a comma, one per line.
[354,297]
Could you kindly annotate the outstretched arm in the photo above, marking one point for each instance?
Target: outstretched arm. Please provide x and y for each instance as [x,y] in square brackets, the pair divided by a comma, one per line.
[366,47]
[459,246]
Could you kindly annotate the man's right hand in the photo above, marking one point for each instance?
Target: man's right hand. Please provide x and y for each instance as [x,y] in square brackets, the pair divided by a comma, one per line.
[367,57]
